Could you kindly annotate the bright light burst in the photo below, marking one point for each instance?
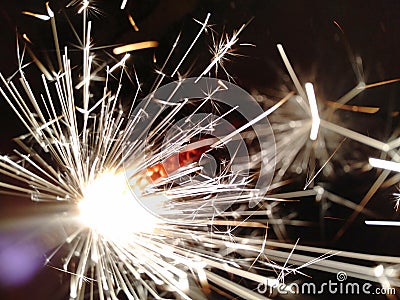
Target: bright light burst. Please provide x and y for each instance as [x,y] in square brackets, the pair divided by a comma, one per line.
[109,207]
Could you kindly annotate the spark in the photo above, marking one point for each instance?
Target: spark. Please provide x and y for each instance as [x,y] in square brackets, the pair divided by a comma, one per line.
[383,223]
[123,4]
[361,206]
[314,111]
[262,116]
[135,47]
[380,83]
[322,167]
[355,108]
[39,16]
[293,75]
[84,7]
[55,35]
[121,63]
[384,164]
[133,23]
[397,201]
[203,27]
[39,64]
[374,143]
[26,38]
[222,49]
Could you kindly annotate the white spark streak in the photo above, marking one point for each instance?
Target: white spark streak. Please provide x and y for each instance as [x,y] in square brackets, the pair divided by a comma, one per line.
[222,50]
[293,76]
[123,4]
[383,223]
[314,111]
[203,27]
[39,16]
[384,164]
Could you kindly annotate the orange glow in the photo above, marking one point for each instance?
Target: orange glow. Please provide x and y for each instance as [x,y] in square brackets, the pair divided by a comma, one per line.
[174,162]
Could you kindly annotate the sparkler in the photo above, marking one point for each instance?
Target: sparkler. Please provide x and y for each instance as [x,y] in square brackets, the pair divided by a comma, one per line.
[153,191]
[122,245]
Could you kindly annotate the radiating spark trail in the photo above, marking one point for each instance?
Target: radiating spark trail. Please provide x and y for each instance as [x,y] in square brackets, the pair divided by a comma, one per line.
[360,207]
[55,35]
[293,76]
[203,27]
[123,4]
[133,23]
[222,50]
[356,136]
[314,111]
[262,116]
[39,16]
[322,167]
[355,108]
[135,47]
[383,223]
[384,164]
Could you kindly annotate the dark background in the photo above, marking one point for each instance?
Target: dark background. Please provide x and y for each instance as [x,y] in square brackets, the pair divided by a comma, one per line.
[318,50]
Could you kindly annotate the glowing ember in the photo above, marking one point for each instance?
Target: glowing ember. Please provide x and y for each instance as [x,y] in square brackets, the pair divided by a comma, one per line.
[110,208]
